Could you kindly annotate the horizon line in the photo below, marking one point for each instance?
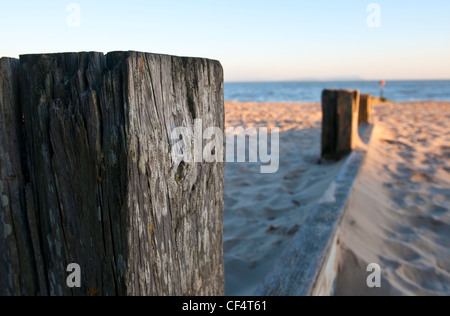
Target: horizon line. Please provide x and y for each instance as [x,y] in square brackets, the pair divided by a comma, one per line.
[330,80]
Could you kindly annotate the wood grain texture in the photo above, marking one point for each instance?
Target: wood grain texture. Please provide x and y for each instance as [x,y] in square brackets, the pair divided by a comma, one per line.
[104,190]
[18,275]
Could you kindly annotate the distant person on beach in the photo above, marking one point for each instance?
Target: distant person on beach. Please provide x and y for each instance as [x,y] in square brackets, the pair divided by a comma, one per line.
[382,85]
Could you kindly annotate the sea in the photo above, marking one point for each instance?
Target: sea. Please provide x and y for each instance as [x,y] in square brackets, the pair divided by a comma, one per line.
[396,91]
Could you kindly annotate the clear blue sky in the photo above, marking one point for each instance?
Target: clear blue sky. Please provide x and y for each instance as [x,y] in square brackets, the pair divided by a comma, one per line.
[254,39]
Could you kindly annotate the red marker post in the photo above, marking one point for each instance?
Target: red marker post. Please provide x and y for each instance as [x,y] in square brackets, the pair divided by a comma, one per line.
[382,85]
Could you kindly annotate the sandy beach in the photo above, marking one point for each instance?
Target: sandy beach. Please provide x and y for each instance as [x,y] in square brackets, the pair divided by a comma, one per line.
[399,211]
[398,214]
[263,211]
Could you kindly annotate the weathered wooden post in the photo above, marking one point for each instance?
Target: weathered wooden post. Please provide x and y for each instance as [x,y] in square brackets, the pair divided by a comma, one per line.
[102,188]
[365,109]
[18,270]
[340,122]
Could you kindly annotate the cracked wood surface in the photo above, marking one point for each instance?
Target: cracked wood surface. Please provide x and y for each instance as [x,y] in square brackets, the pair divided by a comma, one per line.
[98,185]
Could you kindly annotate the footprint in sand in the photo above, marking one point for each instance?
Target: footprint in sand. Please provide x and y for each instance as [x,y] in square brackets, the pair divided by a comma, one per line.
[409,156]
[443,263]
[260,197]
[397,249]
[441,200]
[423,278]
[405,233]
[429,223]
[435,191]
[438,211]
[413,199]
[400,144]
[422,177]
[403,172]
[445,151]
[402,187]
[433,210]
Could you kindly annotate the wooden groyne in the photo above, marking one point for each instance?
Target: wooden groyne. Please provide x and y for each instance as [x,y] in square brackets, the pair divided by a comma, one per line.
[309,264]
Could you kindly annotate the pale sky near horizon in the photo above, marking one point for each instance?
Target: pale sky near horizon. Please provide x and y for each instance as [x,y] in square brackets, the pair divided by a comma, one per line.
[255,40]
